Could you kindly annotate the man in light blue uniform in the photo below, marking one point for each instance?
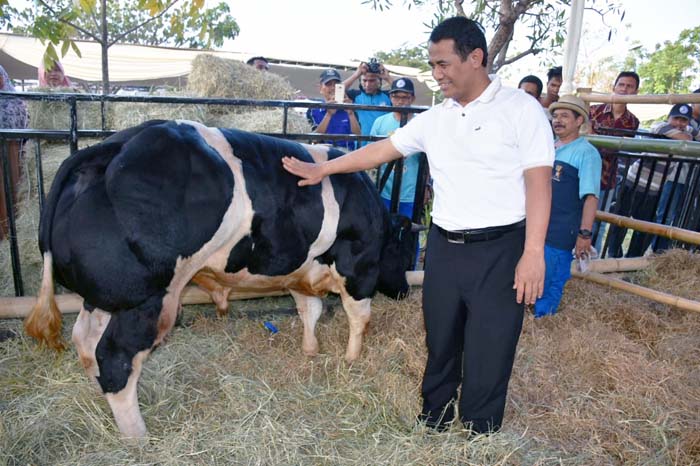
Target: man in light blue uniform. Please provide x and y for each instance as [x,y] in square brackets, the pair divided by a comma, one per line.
[575,190]
[370,92]
[402,94]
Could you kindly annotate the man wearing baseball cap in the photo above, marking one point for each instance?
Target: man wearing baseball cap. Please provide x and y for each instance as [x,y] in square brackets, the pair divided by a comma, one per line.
[402,94]
[331,120]
[575,190]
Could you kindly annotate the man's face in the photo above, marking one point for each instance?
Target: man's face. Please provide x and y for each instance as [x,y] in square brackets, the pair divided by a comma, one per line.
[454,76]
[261,65]
[371,83]
[401,99]
[328,90]
[553,86]
[530,88]
[566,123]
[680,123]
[625,86]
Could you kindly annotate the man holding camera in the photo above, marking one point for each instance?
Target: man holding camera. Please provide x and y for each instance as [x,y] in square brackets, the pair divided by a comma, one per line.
[370,92]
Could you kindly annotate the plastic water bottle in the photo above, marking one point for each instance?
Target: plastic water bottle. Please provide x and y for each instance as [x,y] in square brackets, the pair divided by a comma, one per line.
[583,262]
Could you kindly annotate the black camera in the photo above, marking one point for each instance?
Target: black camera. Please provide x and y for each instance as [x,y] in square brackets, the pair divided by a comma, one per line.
[373,66]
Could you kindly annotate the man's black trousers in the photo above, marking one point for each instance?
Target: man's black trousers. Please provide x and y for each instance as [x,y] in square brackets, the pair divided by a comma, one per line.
[473,324]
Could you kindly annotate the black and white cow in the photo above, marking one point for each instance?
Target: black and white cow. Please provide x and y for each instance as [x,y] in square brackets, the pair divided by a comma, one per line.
[128,223]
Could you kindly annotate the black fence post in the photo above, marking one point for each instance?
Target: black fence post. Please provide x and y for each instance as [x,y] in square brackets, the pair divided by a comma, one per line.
[12,234]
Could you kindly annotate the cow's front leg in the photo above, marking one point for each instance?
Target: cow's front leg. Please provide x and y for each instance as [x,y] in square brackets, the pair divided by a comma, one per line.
[358,317]
[88,332]
[112,347]
[309,308]
[125,402]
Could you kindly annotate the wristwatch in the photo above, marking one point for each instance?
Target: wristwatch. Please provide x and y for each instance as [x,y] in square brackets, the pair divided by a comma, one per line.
[585,234]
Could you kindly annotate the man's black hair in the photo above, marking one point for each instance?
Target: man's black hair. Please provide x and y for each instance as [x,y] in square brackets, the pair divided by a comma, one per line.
[467,34]
[627,74]
[533,80]
[697,91]
[554,73]
[251,61]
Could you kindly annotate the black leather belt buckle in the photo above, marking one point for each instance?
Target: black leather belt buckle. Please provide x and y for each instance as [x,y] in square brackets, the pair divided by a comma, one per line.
[456,237]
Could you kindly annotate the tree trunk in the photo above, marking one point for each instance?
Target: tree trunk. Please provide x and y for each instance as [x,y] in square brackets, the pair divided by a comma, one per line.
[104,47]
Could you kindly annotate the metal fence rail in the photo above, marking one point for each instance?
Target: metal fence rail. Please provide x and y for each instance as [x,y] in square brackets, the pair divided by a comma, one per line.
[683,185]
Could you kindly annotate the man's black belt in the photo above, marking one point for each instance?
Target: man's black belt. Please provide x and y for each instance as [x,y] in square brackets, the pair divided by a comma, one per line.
[478,234]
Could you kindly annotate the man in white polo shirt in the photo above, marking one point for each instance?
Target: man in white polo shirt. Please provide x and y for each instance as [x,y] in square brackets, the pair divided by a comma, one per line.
[490,152]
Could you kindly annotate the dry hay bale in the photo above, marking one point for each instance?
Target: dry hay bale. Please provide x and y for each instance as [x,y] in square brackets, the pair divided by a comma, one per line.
[55,115]
[675,271]
[123,115]
[27,215]
[261,121]
[217,77]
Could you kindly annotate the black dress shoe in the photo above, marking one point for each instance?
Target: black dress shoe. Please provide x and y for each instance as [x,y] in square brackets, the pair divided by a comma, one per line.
[437,423]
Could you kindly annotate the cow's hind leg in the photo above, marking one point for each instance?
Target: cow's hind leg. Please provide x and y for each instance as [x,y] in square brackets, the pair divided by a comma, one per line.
[112,347]
[310,309]
[358,312]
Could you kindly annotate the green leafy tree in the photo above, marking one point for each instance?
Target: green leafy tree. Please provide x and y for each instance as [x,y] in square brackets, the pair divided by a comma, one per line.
[416,57]
[59,23]
[545,22]
[670,68]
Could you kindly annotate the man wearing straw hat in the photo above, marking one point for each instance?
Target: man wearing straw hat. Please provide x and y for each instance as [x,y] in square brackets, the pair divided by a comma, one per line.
[575,190]
[490,153]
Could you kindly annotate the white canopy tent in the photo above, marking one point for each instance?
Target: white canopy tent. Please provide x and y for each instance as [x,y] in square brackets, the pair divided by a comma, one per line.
[148,65]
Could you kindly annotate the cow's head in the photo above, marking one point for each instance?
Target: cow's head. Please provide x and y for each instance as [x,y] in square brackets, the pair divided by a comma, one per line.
[397,257]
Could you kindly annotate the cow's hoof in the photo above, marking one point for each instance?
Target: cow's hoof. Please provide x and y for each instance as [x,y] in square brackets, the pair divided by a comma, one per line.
[135,435]
[351,357]
[310,350]
[136,442]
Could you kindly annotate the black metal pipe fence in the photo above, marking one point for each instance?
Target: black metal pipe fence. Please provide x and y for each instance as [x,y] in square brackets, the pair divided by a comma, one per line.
[657,188]
[73,134]
[651,187]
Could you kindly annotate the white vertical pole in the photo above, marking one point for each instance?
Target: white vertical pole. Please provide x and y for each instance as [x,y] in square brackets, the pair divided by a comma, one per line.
[573,37]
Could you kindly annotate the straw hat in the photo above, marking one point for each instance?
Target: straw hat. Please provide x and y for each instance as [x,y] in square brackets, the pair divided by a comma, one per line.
[571,102]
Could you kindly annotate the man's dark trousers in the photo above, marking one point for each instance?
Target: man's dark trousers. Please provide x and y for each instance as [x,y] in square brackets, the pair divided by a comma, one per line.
[473,324]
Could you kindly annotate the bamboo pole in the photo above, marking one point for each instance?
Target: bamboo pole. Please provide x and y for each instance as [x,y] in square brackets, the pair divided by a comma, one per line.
[12,308]
[658,296]
[666,231]
[631,264]
[72,303]
[588,96]
[657,146]
[415,278]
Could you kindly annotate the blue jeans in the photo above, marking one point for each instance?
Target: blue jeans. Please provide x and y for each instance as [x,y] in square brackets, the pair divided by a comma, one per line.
[558,272]
[673,209]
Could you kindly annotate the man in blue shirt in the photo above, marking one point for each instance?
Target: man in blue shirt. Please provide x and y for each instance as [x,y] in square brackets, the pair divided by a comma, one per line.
[370,92]
[575,190]
[333,121]
[402,94]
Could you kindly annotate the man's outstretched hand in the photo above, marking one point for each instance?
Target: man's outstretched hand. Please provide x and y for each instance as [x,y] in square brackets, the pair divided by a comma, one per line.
[310,173]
